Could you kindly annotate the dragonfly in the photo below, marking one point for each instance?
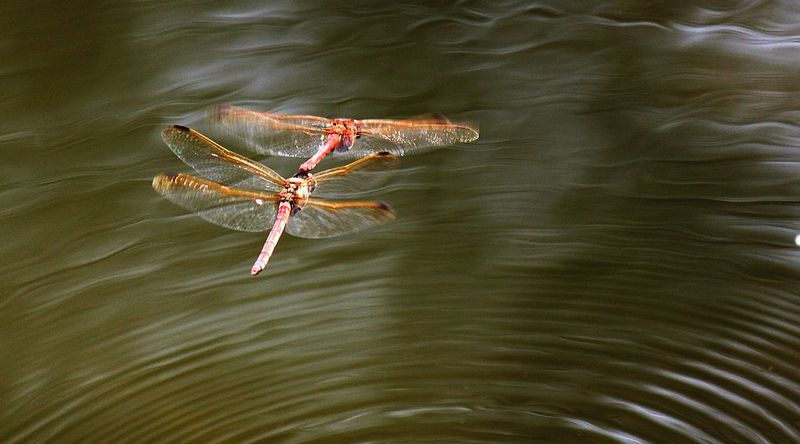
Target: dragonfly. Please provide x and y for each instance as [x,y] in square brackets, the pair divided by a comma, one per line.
[303,136]
[242,194]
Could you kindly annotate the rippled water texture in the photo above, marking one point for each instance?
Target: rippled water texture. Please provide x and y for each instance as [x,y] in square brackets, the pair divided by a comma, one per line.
[613,261]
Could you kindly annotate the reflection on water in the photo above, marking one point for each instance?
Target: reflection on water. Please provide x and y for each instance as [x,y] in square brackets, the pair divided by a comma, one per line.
[613,261]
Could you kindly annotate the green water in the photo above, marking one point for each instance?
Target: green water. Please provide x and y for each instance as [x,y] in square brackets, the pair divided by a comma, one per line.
[612,261]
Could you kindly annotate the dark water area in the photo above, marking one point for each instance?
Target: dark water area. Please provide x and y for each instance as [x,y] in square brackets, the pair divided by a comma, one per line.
[613,261]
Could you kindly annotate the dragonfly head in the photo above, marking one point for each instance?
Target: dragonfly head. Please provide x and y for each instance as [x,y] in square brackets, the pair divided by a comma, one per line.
[348,130]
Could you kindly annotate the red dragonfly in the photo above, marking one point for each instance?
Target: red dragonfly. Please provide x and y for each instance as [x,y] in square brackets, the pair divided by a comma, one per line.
[245,195]
[304,136]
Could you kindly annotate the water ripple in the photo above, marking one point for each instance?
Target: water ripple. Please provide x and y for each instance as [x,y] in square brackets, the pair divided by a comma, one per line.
[613,261]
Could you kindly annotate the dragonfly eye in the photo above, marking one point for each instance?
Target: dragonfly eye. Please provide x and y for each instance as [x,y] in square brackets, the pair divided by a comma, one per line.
[302,175]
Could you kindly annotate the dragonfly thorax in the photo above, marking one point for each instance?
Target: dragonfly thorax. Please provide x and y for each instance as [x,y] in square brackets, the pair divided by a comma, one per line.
[348,131]
[297,190]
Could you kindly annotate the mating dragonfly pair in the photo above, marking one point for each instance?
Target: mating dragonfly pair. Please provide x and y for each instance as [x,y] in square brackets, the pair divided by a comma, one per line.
[242,194]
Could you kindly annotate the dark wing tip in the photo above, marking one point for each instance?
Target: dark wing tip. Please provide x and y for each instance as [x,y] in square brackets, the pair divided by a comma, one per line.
[383,206]
[170,132]
[386,159]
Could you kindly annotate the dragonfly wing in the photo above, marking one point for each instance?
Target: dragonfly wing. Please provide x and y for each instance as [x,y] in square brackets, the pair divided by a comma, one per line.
[271,133]
[324,218]
[410,136]
[362,175]
[232,208]
[213,161]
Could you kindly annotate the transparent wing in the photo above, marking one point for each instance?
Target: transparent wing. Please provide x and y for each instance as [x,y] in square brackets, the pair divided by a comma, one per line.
[409,136]
[213,161]
[323,218]
[271,133]
[232,208]
[362,175]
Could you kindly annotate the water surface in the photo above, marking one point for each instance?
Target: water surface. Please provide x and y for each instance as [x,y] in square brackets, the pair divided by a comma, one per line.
[613,261]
